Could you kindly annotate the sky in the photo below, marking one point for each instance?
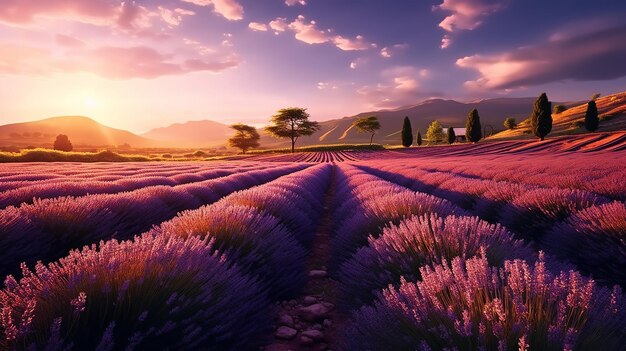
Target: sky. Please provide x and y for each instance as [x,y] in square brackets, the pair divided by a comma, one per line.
[143,64]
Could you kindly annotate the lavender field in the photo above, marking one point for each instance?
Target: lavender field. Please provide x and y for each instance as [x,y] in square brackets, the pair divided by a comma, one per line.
[514,245]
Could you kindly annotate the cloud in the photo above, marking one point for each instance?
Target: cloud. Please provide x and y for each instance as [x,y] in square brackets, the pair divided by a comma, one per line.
[598,55]
[347,44]
[126,16]
[446,41]
[466,15]
[326,86]
[110,62]
[400,87]
[229,9]
[308,32]
[279,25]
[68,41]
[388,52]
[175,17]
[256,26]
[295,2]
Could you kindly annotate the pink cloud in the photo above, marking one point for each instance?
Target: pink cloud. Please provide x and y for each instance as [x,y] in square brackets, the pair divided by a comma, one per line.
[466,15]
[229,9]
[68,41]
[590,56]
[347,44]
[308,32]
[88,11]
[401,87]
[109,62]
[279,25]
[295,2]
[259,27]
[173,18]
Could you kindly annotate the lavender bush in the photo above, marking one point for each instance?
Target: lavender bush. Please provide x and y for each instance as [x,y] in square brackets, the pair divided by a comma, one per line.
[403,249]
[469,306]
[156,292]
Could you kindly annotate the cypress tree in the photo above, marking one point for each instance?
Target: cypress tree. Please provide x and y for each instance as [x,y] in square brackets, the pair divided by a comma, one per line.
[473,130]
[451,136]
[419,138]
[541,118]
[407,133]
[591,117]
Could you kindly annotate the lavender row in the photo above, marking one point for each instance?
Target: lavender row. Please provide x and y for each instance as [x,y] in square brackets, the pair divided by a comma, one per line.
[526,210]
[368,204]
[153,293]
[19,175]
[566,223]
[47,229]
[56,188]
[190,283]
[469,305]
[266,230]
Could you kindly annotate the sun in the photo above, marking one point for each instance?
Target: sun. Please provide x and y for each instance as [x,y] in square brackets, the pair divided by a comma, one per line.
[90,102]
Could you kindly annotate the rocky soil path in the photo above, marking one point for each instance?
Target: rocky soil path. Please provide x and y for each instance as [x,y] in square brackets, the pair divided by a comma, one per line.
[311,322]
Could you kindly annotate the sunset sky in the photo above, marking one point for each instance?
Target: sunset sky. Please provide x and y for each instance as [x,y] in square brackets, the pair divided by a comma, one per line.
[149,63]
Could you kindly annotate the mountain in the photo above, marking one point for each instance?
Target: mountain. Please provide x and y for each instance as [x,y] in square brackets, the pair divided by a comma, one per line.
[191,134]
[81,131]
[450,113]
[611,110]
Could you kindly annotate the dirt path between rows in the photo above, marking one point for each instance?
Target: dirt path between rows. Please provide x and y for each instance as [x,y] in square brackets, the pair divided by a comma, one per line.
[311,322]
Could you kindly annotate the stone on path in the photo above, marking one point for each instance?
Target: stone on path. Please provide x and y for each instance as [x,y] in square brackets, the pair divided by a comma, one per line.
[286,333]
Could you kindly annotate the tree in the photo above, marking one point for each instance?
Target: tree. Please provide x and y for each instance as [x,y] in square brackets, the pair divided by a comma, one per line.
[292,123]
[367,125]
[246,137]
[451,135]
[473,130]
[62,143]
[407,132]
[419,138]
[509,123]
[591,117]
[434,132]
[541,118]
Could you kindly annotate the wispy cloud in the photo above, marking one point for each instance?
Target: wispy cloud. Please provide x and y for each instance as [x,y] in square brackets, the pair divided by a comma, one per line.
[308,32]
[597,55]
[232,10]
[401,86]
[466,15]
[295,2]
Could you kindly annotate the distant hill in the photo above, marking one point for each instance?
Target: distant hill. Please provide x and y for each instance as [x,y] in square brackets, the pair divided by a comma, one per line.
[81,131]
[450,113]
[611,110]
[191,134]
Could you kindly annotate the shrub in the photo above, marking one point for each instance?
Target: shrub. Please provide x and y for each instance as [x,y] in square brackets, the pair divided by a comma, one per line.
[559,109]
[578,124]
[153,293]
[470,306]
[607,117]
[401,250]
[451,136]
[595,240]
[250,238]
[536,210]
[62,143]
[509,123]
[167,156]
